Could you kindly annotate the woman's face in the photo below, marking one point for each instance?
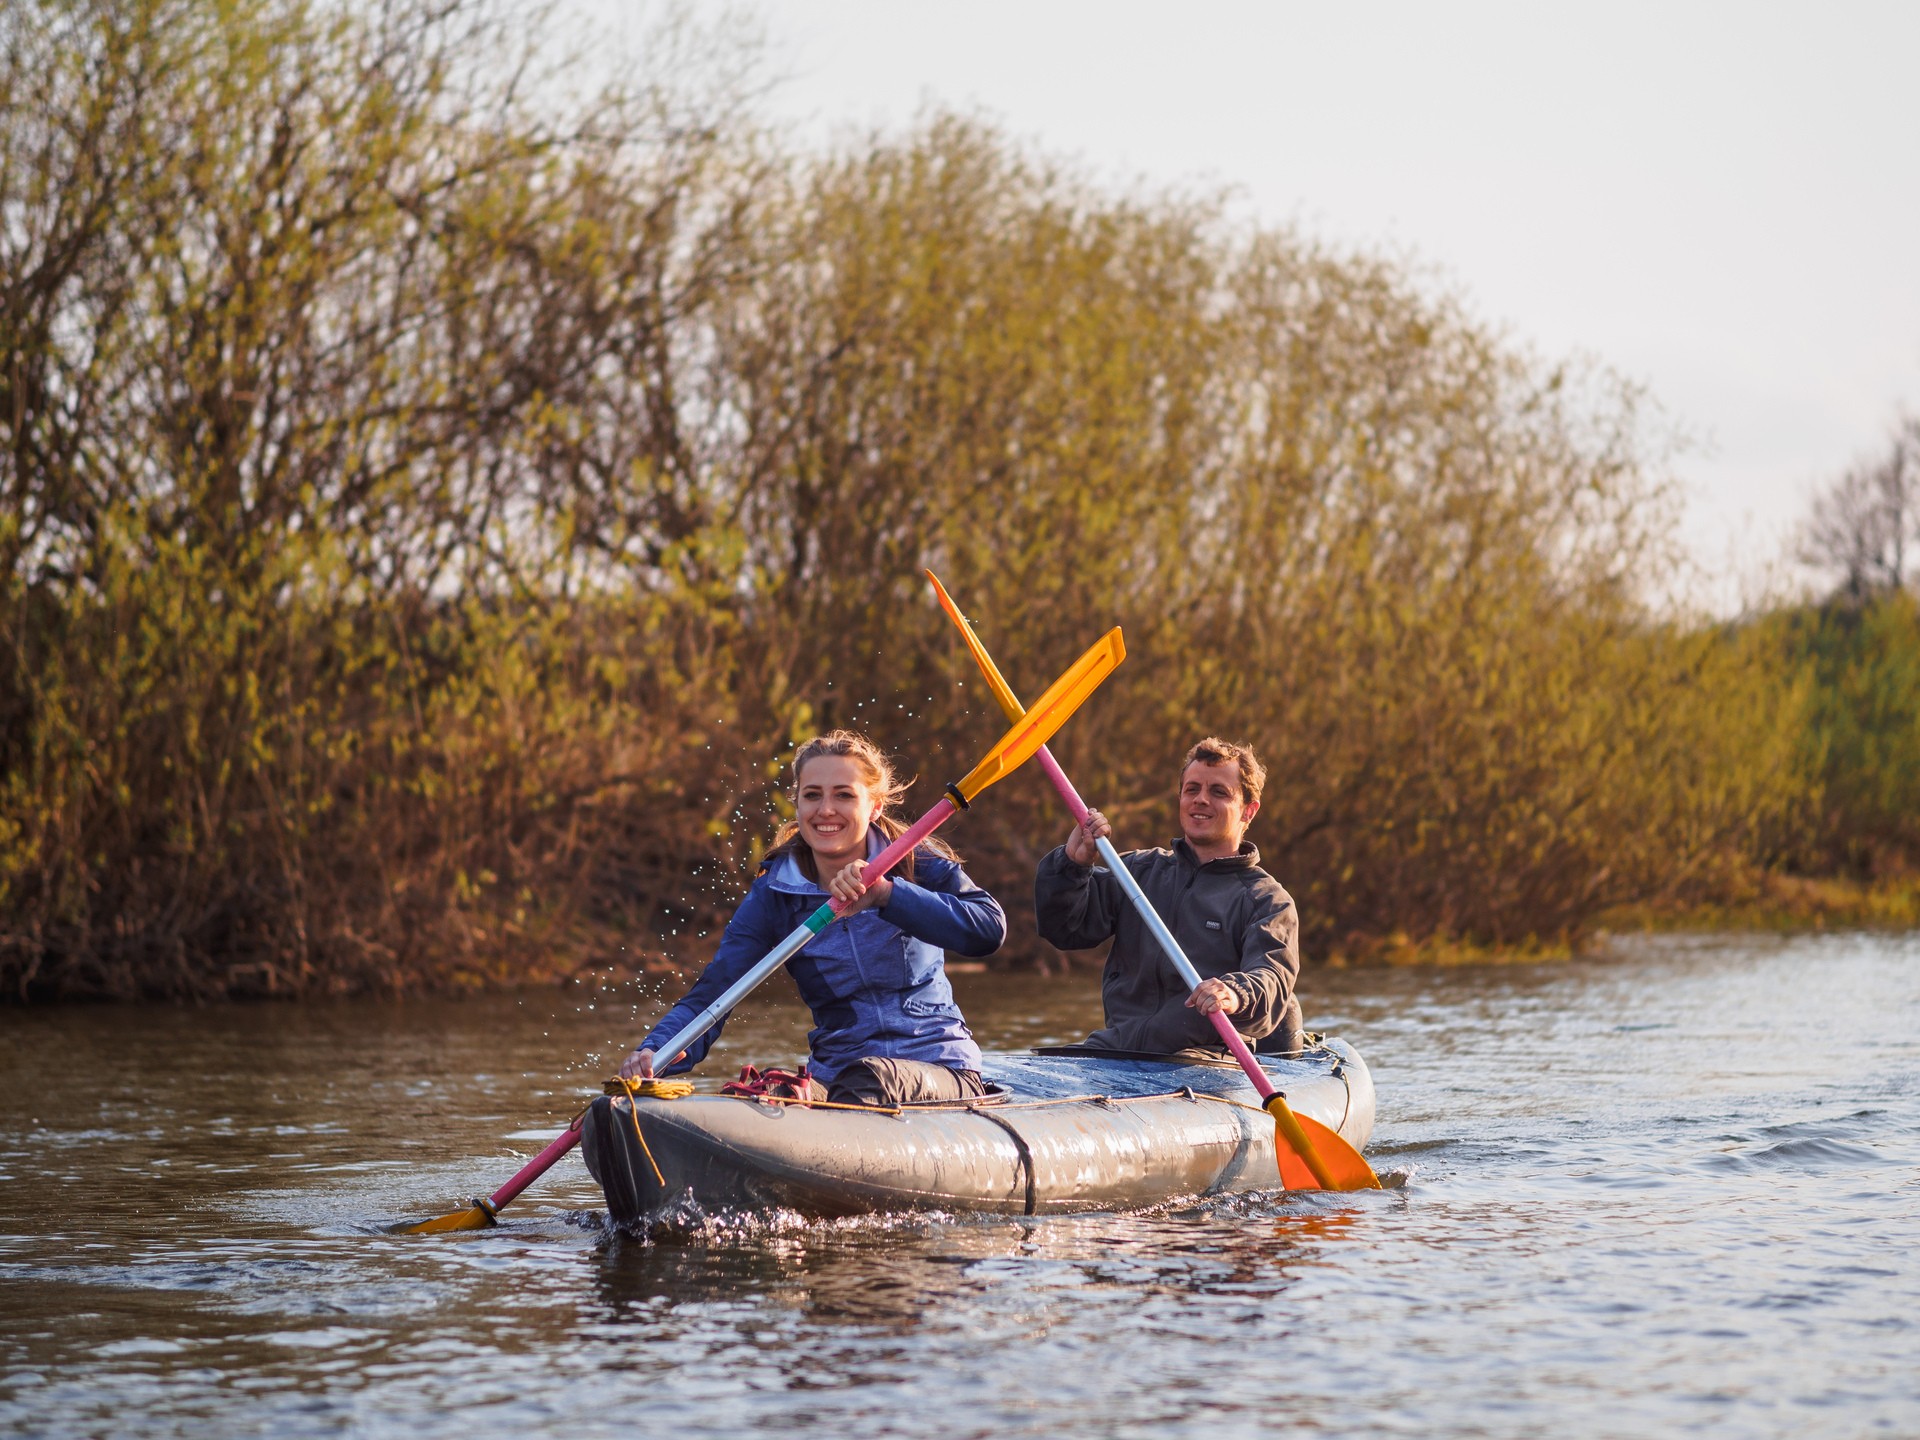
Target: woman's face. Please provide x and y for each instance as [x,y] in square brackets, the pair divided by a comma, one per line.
[835,807]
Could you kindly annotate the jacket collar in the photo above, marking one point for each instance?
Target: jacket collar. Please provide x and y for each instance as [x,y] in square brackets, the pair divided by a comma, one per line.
[1247,858]
[788,878]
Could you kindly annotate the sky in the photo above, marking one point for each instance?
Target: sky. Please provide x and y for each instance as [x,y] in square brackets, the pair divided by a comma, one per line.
[1719,201]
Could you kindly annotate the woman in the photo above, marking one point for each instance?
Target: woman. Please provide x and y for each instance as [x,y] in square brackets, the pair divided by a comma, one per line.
[886,1029]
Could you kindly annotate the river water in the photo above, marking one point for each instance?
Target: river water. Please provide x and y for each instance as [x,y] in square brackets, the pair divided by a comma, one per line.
[1672,1190]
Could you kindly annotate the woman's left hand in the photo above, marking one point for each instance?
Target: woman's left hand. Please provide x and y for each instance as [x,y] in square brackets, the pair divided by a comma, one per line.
[1211,995]
[853,893]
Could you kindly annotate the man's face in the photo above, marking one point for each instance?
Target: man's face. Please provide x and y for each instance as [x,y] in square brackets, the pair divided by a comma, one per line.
[1214,810]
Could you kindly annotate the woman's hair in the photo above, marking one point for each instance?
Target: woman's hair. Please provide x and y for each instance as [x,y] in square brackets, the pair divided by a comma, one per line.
[876,772]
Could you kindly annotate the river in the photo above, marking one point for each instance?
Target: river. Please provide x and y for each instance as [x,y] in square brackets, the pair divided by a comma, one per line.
[1671,1190]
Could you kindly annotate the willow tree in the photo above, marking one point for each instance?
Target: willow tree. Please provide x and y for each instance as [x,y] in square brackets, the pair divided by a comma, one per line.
[339,391]
[428,516]
[1337,517]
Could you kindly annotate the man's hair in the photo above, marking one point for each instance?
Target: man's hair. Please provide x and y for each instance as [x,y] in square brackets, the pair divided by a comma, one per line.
[1215,751]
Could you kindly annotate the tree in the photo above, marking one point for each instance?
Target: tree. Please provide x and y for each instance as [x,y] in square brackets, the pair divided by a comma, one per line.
[1866,523]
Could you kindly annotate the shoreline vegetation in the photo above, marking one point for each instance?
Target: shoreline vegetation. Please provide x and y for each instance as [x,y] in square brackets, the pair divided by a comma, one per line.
[430,513]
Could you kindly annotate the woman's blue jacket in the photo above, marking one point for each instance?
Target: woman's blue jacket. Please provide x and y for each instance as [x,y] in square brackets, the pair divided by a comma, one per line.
[876,983]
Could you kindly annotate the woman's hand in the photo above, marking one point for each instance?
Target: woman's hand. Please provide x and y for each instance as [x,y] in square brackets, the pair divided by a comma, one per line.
[1080,847]
[639,1065]
[851,892]
[1211,995]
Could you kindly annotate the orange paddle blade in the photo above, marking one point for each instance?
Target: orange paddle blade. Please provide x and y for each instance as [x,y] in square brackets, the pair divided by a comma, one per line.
[1037,725]
[1294,1174]
[1314,1157]
[996,682]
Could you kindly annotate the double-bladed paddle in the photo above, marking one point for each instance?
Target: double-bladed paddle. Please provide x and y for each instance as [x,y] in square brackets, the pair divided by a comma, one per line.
[1310,1155]
[1031,730]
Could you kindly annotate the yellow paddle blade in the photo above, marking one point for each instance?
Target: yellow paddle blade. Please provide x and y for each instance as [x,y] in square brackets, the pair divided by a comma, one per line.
[1330,1162]
[1049,713]
[996,682]
[475,1217]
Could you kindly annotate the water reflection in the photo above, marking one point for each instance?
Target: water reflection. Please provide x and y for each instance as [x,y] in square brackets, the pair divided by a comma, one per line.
[904,1273]
[1642,1203]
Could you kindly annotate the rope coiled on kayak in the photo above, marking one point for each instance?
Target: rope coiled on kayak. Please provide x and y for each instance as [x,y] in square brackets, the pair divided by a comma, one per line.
[647,1090]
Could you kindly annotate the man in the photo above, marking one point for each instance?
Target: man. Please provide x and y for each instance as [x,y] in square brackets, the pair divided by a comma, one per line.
[1236,924]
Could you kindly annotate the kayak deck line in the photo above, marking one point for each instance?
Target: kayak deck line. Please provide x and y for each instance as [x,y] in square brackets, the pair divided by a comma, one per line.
[1025,1152]
[981,1105]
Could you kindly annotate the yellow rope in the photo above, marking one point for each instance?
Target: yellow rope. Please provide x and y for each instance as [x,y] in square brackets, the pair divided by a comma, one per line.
[647,1090]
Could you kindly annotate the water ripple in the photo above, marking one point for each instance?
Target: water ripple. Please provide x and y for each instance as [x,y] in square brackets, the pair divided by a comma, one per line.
[1634,1208]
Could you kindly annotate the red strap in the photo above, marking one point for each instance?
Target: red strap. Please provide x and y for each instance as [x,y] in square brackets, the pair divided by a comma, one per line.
[755,1083]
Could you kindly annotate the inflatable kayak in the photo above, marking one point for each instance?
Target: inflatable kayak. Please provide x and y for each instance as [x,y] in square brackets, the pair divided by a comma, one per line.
[1061,1130]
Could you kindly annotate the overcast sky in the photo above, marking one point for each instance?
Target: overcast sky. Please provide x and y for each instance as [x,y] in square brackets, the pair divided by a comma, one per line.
[1719,200]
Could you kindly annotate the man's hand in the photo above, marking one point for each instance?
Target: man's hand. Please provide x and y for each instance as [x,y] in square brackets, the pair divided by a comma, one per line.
[1211,995]
[853,893]
[1080,847]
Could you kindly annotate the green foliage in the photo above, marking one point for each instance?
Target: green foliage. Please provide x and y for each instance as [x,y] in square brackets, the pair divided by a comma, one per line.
[1335,517]
[1862,661]
[426,521]
[335,409]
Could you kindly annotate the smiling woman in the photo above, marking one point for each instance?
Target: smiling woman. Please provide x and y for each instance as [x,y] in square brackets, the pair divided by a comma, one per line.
[886,1028]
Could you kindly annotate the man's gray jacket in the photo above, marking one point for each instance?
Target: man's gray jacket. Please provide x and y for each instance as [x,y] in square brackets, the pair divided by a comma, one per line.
[1232,918]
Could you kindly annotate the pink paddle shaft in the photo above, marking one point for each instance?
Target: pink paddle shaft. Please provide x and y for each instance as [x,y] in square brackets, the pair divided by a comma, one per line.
[901,847]
[1229,1036]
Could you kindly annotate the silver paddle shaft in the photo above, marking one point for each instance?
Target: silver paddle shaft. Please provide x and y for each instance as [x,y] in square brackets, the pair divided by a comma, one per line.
[736,992]
[1150,916]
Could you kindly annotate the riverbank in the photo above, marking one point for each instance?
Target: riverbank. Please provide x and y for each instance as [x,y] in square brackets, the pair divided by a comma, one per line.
[1772,904]
[1784,905]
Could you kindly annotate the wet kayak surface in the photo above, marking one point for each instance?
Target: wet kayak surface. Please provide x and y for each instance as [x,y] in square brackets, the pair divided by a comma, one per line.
[1672,1190]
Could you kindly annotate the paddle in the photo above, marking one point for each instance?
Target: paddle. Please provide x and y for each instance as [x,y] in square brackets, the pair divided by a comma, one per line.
[1310,1154]
[1030,732]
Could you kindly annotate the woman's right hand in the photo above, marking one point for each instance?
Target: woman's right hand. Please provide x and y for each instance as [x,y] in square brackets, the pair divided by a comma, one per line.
[1080,847]
[639,1065]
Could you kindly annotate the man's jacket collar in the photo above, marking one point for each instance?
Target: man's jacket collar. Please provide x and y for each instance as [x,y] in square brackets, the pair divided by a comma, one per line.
[1247,858]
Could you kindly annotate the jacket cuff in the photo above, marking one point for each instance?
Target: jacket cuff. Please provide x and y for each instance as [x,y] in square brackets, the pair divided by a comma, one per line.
[1256,1018]
[1060,863]
[1243,991]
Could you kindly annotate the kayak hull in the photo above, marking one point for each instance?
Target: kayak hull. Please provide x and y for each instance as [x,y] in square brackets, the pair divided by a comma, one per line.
[1066,1132]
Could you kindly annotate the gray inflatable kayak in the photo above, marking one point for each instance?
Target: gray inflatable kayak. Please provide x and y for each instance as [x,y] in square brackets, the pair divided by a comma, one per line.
[1064,1130]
